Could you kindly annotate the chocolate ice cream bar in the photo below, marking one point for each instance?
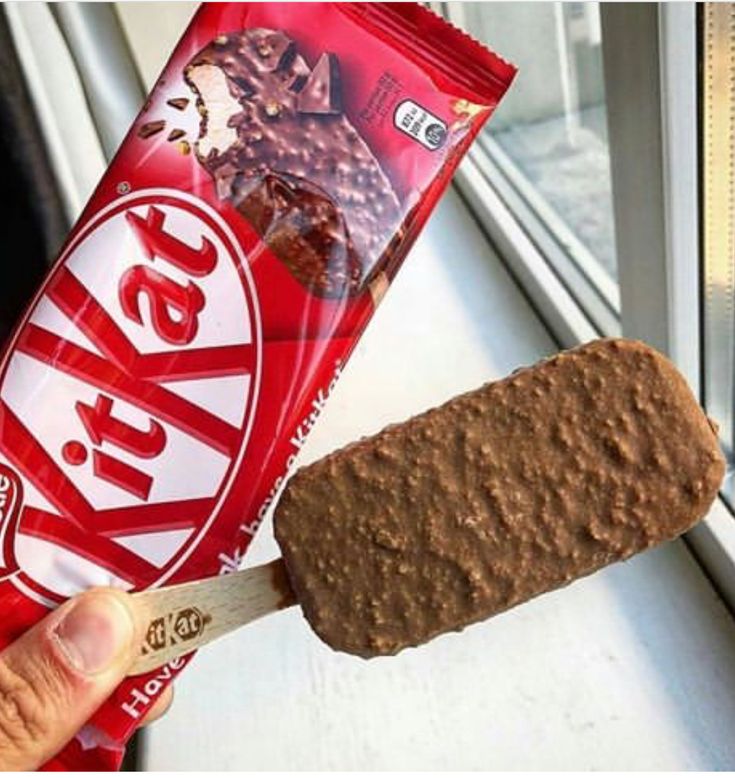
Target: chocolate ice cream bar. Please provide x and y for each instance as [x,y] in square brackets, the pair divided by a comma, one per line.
[279,147]
[497,496]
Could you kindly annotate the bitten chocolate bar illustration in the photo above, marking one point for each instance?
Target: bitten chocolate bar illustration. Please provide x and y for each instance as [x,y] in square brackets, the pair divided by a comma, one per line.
[278,145]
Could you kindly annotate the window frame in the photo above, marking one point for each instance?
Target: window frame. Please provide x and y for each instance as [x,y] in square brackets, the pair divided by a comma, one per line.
[564,281]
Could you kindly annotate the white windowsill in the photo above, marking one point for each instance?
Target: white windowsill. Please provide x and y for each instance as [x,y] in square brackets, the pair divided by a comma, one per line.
[568,681]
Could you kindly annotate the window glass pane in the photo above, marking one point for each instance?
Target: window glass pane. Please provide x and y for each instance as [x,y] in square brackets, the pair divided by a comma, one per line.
[549,136]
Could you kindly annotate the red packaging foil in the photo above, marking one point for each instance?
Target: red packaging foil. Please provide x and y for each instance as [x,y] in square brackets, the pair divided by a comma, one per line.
[165,377]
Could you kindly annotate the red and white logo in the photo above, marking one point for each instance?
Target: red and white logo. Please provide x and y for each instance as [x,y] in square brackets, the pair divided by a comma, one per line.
[127,397]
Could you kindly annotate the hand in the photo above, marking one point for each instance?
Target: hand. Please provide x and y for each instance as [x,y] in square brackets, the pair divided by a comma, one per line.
[56,675]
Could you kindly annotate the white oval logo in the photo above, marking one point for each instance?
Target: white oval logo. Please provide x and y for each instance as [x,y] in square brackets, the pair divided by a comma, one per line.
[128,395]
[421,125]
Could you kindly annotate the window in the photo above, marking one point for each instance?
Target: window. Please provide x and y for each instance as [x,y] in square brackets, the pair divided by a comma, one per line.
[546,150]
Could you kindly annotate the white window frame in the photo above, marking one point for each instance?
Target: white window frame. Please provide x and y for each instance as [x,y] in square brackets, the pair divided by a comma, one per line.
[651,70]
[565,283]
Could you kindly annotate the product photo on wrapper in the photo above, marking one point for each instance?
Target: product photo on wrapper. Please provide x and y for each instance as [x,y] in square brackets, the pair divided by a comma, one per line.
[199,430]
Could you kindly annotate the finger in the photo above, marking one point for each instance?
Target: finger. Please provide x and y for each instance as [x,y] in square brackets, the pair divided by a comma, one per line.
[59,672]
[160,707]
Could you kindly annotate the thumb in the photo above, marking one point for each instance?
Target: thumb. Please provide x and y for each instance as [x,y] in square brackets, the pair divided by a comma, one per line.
[56,675]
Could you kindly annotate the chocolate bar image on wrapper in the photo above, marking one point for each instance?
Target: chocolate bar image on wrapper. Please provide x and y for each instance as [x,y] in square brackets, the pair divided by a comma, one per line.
[497,496]
[279,147]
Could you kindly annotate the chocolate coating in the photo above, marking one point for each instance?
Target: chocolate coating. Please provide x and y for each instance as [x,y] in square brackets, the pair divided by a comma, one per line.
[179,103]
[259,137]
[322,91]
[149,129]
[497,496]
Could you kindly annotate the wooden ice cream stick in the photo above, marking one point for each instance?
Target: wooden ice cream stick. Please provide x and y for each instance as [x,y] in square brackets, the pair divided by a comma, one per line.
[178,619]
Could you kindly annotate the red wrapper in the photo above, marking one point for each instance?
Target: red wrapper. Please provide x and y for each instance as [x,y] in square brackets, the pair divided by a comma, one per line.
[166,375]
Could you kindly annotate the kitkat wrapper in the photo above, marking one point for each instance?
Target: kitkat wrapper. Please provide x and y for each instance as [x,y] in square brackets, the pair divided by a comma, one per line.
[163,380]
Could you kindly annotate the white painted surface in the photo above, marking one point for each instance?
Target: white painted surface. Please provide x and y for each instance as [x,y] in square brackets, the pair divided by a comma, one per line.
[633,668]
